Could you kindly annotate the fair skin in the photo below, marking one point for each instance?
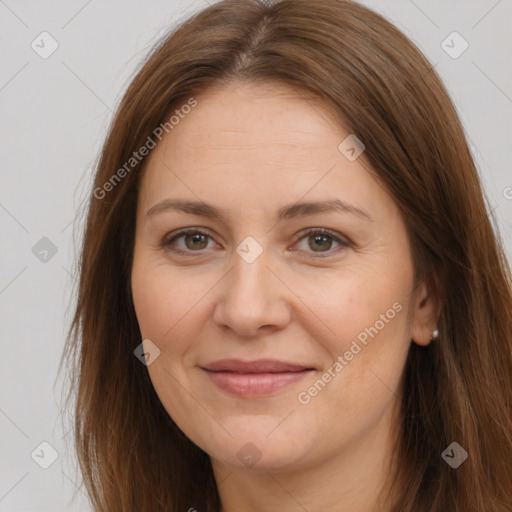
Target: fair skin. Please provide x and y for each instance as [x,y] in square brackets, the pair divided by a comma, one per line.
[250,150]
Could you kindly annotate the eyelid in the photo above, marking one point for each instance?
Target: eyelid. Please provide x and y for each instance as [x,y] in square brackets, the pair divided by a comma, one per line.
[344,242]
[170,237]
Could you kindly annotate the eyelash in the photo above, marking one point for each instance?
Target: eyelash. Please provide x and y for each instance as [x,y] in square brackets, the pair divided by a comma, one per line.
[169,239]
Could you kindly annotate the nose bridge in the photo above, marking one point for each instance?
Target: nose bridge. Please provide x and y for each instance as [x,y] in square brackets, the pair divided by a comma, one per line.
[249,280]
[251,296]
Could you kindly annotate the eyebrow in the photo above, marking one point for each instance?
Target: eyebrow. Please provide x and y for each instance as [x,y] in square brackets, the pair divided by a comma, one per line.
[286,212]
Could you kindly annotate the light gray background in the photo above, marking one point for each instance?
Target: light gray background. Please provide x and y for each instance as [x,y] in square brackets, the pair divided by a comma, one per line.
[54,117]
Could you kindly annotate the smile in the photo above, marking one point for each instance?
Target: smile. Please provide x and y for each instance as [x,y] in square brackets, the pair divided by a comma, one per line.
[254,384]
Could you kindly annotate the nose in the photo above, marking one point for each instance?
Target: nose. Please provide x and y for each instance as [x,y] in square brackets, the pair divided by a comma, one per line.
[252,299]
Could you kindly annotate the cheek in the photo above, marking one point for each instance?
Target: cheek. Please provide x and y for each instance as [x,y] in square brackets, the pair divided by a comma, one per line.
[152,300]
[366,312]
[359,304]
[168,304]
[364,358]
[364,320]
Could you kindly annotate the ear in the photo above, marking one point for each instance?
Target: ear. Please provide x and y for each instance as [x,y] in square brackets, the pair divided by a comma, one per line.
[424,316]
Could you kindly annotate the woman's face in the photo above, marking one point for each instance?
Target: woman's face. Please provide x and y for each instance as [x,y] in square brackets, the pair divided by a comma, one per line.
[333,311]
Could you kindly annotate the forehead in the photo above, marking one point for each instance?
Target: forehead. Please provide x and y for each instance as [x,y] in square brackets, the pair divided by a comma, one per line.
[271,113]
[249,141]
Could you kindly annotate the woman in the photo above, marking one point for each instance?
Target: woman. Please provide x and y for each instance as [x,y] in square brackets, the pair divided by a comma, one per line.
[291,296]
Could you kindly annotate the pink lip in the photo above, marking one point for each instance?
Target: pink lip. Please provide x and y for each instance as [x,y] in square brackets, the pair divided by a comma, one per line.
[254,378]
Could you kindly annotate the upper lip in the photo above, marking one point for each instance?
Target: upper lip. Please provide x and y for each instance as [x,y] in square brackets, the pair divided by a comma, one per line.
[257,366]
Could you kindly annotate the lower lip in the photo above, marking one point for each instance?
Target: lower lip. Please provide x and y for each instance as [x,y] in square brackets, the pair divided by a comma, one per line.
[254,384]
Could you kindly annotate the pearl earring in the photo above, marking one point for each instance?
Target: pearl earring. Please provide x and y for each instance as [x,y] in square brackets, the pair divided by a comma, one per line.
[435,335]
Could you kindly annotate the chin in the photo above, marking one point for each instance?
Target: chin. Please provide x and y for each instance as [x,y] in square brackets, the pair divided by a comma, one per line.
[255,458]
[257,450]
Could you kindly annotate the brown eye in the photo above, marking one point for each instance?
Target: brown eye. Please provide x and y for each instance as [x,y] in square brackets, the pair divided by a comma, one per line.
[320,240]
[191,240]
[196,241]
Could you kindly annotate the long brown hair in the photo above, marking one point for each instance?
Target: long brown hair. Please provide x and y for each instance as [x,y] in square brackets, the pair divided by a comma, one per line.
[458,388]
